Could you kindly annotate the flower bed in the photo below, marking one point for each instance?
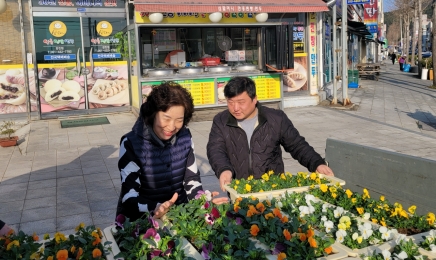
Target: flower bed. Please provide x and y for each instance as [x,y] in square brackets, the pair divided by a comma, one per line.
[87,243]
[354,235]
[248,229]
[426,242]
[381,211]
[274,184]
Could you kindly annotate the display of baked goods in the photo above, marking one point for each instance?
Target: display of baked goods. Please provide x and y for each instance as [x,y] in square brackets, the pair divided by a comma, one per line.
[109,92]
[12,87]
[63,91]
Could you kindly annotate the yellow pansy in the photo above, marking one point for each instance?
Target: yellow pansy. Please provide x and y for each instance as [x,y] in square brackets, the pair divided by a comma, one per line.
[312,186]
[237,182]
[265,177]
[365,194]
[374,220]
[323,187]
[382,198]
[382,222]
[360,210]
[342,226]
[81,225]
[235,187]
[353,200]
[318,180]
[270,172]
[349,193]
[11,244]
[261,190]
[283,176]
[248,187]
[313,176]
[334,195]
[250,177]
[359,240]
[332,189]
[274,185]
[430,218]
[35,256]
[412,209]
[59,237]
[404,214]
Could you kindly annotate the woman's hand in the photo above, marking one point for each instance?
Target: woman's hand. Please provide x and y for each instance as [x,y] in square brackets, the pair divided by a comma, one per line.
[324,169]
[162,209]
[220,200]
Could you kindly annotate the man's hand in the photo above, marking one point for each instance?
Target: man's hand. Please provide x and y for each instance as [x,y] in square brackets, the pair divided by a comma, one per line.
[324,169]
[225,178]
[163,208]
[219,201]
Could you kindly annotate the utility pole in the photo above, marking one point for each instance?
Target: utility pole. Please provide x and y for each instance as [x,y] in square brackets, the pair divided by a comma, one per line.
[401,36]
[420,30]
[344,34]
[335,57]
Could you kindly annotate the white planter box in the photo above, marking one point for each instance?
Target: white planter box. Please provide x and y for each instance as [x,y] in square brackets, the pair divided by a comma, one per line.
[366,250]
[275,193]
[186,246]
[418,238]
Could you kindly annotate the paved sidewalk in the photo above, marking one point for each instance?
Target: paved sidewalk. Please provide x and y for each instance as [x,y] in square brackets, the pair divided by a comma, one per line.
[58,178]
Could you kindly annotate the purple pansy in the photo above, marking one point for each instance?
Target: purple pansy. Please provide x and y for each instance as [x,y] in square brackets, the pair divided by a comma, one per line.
[151,233]
[207,193]
[119,221]
[135,232]
[171,244]
[153,222]
[206,205]
[239,221]
[230,215]
[209,219]
[155,253]
[206,250]
[280,247]
[215,213]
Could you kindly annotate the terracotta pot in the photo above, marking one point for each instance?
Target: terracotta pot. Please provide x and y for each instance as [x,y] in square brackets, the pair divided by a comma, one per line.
[6,142]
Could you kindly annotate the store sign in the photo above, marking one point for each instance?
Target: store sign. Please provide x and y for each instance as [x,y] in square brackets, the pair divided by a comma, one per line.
[355,2]
[298,34]
[197,18]
[79,3]
[106,56]
[60,57]
[370,16]
[57,29]
[104,28]
[312,52]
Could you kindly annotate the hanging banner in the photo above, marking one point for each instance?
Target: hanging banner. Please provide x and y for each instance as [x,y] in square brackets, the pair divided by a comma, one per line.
[299,39]
[370,16]
[313,56]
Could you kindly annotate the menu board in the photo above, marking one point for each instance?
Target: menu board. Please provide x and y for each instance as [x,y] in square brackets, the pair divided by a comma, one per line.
[202,90]
[267,87]
[164,39]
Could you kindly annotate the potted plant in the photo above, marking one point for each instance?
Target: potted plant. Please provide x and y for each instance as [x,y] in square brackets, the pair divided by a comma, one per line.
[7,128]
[424,73]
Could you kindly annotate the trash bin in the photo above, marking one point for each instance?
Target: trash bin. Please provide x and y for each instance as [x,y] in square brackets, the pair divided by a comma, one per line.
[353,78]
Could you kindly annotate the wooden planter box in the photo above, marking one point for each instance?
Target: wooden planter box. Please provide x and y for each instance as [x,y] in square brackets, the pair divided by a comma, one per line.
[418,238]
[275,193]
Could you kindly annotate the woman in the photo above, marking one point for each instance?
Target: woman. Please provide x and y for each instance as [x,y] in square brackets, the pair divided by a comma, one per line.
[157,161]
[402,60]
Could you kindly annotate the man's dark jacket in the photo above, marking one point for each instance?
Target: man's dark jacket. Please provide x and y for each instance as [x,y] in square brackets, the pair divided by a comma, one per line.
[228,148]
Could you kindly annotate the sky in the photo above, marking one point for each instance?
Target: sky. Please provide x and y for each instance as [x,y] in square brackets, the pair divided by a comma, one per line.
[388,5]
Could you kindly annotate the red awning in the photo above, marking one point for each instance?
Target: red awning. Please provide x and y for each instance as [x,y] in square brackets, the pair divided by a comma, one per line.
[241,6]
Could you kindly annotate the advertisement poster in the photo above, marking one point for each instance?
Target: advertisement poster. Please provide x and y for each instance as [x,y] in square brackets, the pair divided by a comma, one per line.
[202,90]
[13,89]
[63,88]
[370,16]
[267,87]
[107,84]
[297,79]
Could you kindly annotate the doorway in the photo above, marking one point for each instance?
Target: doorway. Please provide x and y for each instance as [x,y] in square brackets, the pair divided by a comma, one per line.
[81,64]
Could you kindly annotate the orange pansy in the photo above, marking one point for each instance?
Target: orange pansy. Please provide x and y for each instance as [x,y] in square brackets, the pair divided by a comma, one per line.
[35,237]
[277,213]
[328,250]
[62,254]
[269,215]
[254,230]
[310,233]
[287,234]
[281,256]
[312,242]
[260,207]
[96,253]
[303,237]
[79,253]
[285,219]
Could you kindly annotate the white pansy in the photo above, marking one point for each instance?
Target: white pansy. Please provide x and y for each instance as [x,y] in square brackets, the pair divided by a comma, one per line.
[385,233]
[419,257]
[328,226]
[366,216]
[338,212]
[279,205]
[309,198]
[433,248]
[355,236]
[270,197]
[366,230]
[386,254]
[324,207]
[323,218]
[400,237]
[304,210]
[402,255]
[340,235]
[431,236]
[311,209]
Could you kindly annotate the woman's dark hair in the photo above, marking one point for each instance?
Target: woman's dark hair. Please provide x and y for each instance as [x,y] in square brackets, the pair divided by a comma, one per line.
[238,85]
[164,96]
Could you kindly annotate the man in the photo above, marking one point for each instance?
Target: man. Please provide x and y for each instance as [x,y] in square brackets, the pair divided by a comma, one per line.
[393,57]
[245,139]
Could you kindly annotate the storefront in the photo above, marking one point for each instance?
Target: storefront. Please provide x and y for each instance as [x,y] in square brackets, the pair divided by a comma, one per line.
[203,48]
[86,57]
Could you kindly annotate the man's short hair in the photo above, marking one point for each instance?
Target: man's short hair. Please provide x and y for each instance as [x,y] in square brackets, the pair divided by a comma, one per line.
[237,85]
